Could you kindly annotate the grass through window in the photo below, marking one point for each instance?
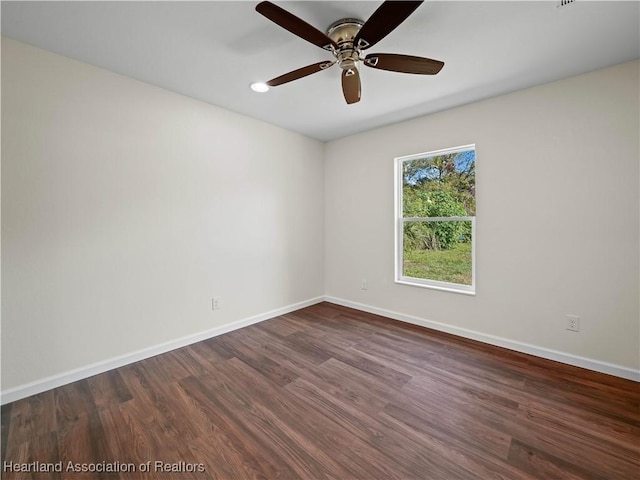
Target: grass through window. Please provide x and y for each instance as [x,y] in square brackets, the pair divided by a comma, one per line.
[453,265]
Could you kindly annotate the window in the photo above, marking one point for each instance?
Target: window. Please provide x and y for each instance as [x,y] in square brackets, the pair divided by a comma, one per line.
[436,219]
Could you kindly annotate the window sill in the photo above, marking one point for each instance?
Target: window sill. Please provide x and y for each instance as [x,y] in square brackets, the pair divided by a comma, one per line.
[442,288]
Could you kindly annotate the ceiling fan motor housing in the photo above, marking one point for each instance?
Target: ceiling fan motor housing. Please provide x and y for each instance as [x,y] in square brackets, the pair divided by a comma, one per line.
[344,30]
[343,33]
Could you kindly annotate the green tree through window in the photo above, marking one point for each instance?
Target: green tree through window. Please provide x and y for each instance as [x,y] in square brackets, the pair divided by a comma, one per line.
[436,218]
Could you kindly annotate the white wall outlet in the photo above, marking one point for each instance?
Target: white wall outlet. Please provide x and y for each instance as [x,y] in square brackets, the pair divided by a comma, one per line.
[215,303]
[573,323]
[364,285]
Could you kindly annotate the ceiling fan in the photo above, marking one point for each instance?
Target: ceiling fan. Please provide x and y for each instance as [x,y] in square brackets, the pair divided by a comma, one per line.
[346,39]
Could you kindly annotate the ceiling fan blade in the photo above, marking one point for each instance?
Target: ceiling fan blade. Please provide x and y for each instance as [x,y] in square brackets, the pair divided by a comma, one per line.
[403,63]
[383,21]
[295,25]
[299,73]
[351,85]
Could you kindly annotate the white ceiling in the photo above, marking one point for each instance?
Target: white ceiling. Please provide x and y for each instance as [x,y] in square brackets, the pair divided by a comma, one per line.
[212,51]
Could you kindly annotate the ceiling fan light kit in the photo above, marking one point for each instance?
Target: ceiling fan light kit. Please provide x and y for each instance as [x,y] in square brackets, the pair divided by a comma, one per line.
[346,39]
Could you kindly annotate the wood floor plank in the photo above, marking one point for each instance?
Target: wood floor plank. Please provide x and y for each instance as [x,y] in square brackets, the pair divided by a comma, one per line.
[323,338]
[19,421]
[266,366]
[381,371]
[44,448]
[189,360]
[266,416]
[160,369]
[356,381]
[545,465]
[73,402]
[469,462]
[356,395]
[307,349]
[583,422]
[281,326]
[126,442]
[274,348]
[5,425]
[470,428]
[83,441]
[208,352]
[226,459]
[342,351]
[16,453]
[475,397]
[319,436]
[108,389]
[403,362]
[587,397]
[215,344]
[331,392]
[590,451]
[495,412]
[212,416]
[247,422]
[161,419]
[392,443]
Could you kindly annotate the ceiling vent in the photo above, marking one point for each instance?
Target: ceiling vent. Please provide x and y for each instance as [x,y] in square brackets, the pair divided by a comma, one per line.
[564,3]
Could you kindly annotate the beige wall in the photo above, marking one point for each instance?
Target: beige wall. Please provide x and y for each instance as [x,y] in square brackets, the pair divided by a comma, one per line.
[126,208]
[557,225]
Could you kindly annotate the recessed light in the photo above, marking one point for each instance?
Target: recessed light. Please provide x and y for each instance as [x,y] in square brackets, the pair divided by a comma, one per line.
[259,87]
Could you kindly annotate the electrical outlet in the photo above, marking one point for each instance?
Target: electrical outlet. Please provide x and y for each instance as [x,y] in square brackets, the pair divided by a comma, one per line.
[364,285]
[573,323]
[215,303]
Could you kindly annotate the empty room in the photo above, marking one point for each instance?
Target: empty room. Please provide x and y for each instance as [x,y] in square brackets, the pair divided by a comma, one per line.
[359,240]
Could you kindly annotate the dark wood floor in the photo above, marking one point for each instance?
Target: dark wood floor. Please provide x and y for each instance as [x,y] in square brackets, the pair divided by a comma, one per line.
[329,392]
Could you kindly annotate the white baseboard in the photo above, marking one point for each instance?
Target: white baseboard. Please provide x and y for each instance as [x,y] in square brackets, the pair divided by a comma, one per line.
[38,386]
[569,359]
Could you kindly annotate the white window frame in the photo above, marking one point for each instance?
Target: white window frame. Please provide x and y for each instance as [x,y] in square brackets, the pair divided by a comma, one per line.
[399,229]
